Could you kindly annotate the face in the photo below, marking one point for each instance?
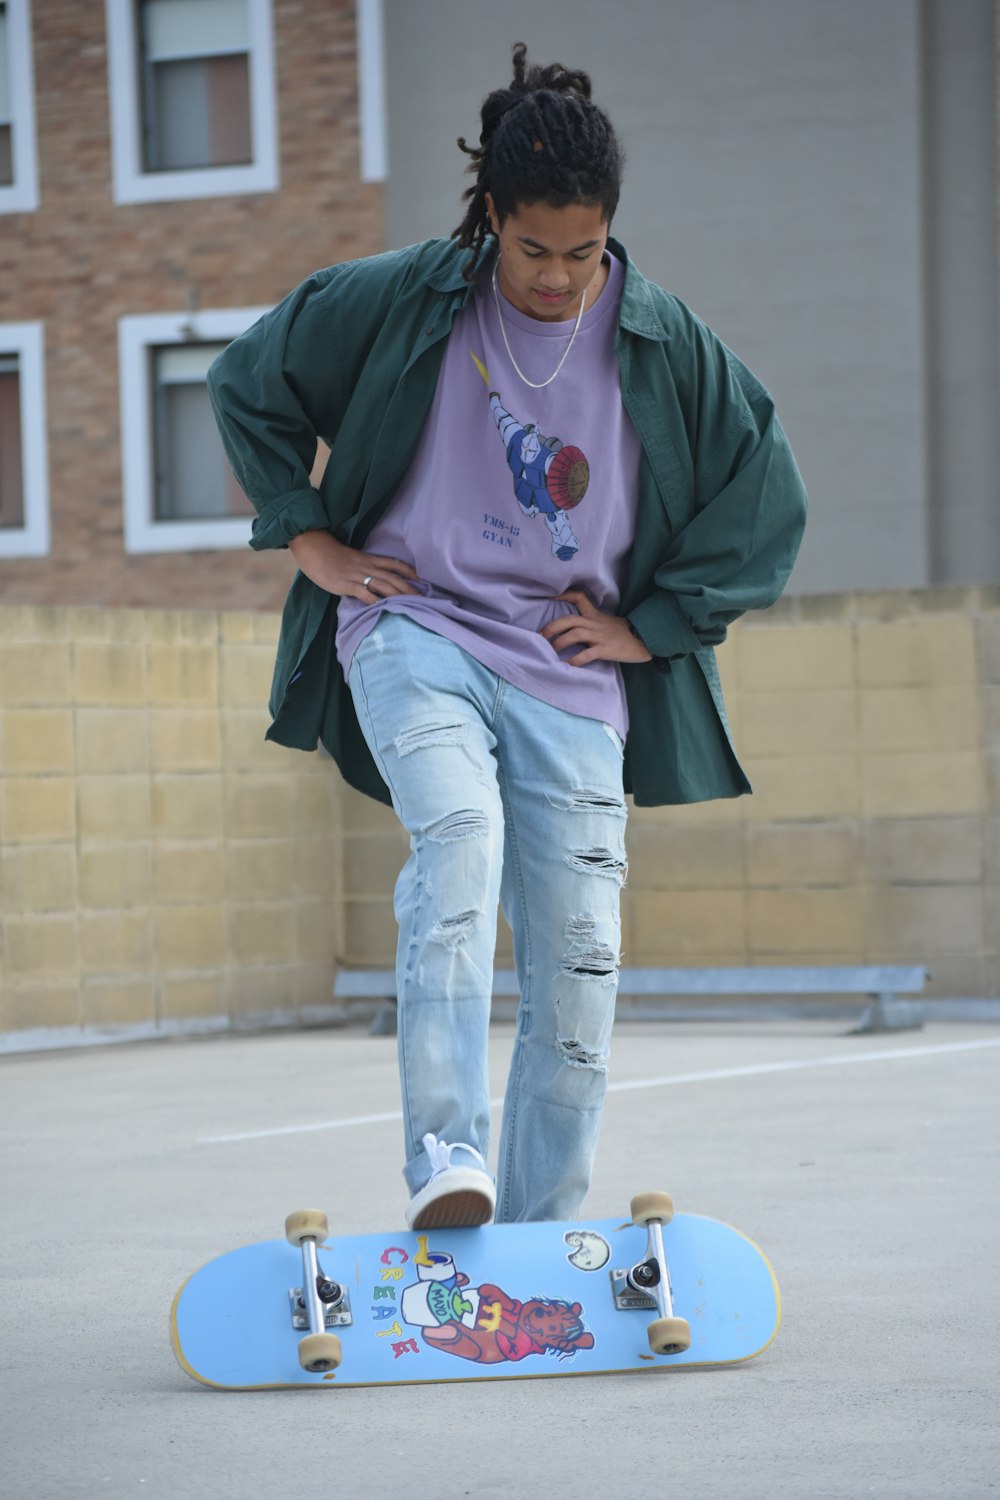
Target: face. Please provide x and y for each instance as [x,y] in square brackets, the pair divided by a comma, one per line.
[550,256]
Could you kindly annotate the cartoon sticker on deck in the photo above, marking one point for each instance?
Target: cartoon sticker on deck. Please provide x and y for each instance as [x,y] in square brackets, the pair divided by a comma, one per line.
[550,477]
[589,1251]
[483,1324]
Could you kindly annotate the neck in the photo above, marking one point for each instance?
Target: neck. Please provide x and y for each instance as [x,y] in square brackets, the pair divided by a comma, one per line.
[598,284]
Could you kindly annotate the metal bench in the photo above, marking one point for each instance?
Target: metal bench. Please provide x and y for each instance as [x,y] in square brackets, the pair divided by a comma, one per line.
[882,984]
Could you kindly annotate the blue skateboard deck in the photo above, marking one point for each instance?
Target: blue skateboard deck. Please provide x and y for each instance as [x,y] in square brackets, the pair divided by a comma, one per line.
[501,1301]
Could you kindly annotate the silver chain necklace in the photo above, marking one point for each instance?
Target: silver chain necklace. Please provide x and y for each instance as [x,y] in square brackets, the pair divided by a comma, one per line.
[536,385]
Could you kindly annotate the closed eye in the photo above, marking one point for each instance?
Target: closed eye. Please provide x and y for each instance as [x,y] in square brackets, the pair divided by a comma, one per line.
[580,255]
[535,252]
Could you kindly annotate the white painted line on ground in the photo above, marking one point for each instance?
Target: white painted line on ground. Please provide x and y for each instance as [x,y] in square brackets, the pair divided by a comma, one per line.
[796,1065]
[260,1135]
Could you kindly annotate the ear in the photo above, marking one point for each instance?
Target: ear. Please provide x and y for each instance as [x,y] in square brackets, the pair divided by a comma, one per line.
[491,210]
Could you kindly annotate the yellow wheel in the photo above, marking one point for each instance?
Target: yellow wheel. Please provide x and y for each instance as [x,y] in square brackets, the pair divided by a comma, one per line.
[669,1336]
[319,1352]
[306,1224]
[648,1207]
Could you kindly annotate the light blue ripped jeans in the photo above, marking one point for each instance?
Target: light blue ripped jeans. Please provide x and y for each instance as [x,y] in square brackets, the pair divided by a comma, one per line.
[504,798]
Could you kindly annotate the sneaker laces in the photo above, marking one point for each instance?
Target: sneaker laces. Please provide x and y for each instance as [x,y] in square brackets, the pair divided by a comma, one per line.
[439,1153]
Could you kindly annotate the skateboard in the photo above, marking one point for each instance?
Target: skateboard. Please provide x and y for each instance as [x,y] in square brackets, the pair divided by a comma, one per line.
[660,1291]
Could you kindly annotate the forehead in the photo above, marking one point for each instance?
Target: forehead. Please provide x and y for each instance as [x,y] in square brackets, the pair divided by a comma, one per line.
[562,228]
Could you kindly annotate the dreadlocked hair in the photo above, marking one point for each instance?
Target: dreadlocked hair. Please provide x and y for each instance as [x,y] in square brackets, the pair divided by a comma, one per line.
[542,141]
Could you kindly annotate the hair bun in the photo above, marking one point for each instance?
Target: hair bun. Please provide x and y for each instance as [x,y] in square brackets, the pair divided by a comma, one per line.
[556,77]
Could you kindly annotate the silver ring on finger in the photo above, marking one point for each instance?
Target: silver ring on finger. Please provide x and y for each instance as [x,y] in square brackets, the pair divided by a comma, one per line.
[366,581]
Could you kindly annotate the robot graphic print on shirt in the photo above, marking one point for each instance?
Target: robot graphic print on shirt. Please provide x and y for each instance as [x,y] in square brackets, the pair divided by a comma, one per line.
[550,477]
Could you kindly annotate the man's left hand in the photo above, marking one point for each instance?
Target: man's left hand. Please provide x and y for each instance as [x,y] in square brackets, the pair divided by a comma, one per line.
[604,637]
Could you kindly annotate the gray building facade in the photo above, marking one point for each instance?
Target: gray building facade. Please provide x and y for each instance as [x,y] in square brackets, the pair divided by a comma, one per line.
[819,182]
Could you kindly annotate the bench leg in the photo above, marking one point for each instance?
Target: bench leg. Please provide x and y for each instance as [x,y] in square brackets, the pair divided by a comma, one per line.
[384,1020]
[887,1013]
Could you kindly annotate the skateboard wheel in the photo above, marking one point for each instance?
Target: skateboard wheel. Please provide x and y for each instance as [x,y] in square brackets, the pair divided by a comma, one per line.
[306,1224]
[648,1207]
[319,1352]
[669,1336]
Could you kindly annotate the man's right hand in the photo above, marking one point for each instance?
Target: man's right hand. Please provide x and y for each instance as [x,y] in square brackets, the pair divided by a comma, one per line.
[348,571]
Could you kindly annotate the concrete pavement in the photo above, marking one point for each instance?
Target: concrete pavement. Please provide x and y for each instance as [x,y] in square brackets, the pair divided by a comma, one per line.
[865,1166]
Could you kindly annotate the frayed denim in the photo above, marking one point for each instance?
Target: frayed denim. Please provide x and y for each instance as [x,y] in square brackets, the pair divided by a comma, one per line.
[506,800]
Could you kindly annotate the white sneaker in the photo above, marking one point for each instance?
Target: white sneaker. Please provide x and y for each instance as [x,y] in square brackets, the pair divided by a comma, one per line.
[455,1197]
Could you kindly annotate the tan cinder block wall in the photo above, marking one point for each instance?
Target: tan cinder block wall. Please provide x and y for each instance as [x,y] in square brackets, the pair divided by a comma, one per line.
[869,725]
[161,865]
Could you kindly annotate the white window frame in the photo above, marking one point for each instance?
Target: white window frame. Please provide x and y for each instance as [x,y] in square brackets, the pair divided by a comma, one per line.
[131,182]
[371,91]
[136,337]
[22,195]
[27,341]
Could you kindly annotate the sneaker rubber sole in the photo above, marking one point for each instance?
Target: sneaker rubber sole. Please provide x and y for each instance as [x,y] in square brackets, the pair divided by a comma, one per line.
[461,1210]
[458,1198]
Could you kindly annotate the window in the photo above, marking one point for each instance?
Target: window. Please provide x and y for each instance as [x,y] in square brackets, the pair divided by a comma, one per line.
[179,492]
[192,98]
[18,165]
[192,480]
[195,84]
[6,114]
[11,446]
[24,505]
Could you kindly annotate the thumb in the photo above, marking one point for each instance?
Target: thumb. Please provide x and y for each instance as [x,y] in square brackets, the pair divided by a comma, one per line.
[581,599]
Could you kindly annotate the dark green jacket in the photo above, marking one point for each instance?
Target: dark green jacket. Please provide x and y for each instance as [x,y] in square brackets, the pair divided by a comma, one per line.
[353,356]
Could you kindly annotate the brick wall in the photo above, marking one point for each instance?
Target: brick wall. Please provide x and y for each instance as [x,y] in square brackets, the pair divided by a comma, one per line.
[80,262]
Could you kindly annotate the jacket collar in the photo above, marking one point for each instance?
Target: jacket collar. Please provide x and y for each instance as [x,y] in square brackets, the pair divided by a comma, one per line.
[446,274]
[637,313]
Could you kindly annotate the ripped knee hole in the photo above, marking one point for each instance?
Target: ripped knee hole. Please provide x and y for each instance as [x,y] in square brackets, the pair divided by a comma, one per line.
[452,932]
[578,1056]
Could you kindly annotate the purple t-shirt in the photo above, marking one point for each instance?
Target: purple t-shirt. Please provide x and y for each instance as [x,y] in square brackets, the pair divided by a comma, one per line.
[514,495]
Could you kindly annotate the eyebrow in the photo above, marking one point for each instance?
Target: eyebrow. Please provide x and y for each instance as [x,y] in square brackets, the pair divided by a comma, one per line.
[524,239]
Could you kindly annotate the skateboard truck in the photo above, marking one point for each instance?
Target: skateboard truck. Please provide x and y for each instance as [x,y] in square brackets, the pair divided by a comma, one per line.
[630,1288]
[647,1284]
[319,1302]
[336,1304]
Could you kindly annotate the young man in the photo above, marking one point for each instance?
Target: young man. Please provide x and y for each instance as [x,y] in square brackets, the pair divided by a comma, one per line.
[550,490]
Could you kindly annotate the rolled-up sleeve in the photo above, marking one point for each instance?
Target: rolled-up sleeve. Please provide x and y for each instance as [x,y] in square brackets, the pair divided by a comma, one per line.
[268,389]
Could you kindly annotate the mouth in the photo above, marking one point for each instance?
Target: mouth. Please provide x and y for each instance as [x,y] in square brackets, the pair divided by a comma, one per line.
[551,299]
